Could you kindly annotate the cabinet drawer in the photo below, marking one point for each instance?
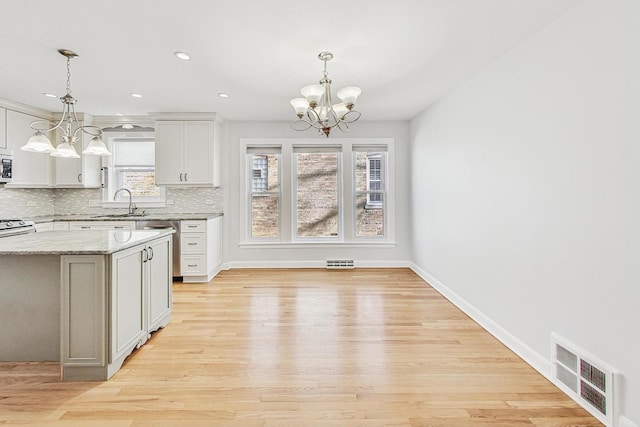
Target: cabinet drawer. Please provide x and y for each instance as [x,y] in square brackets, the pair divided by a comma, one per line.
[60,226]
[193,265]
[192,243]
[99,225]
[193,226]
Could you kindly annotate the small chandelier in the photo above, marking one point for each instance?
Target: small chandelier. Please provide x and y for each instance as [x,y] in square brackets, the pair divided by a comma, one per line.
[316,108]
[39,143]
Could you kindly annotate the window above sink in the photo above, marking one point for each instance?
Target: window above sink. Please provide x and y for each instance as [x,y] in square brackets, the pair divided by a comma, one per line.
[132,166]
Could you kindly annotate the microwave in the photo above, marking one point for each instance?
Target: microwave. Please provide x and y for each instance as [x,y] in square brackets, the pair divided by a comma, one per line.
[6,165]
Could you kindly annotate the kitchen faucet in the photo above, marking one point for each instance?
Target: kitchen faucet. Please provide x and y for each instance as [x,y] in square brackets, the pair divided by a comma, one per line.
[132,206]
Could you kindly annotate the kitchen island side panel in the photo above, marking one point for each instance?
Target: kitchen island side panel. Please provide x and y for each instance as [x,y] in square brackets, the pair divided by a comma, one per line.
[30,308]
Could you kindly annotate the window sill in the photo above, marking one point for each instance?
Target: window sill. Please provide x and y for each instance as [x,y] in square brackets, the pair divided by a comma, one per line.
[299,245]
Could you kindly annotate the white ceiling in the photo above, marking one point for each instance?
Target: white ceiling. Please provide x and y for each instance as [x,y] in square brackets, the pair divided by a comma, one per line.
[404,54]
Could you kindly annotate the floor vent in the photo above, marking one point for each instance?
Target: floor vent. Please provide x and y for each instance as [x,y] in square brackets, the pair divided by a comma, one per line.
[586,379]
[344,264]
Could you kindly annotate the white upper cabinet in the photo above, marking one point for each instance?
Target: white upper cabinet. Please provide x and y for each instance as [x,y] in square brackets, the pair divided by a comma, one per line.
[187,153]
[3,127]
[29,169]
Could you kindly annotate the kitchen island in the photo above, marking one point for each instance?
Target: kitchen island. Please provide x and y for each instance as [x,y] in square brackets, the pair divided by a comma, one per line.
[84,298]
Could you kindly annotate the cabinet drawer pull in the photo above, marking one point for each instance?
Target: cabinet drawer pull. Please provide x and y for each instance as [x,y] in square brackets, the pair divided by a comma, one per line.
[192,265]
[79,177]
[192,244]
[192,226]
[119,226]
[85,227]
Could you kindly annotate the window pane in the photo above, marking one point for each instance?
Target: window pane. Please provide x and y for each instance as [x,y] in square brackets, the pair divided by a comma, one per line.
[369,217]
[265,215]
[140,183]
[265,195]
[264,173]
[317,194]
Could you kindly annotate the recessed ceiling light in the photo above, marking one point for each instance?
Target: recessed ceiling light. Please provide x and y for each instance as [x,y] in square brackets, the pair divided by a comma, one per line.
[182,55]
[136,95]
[223,95]
[50,95]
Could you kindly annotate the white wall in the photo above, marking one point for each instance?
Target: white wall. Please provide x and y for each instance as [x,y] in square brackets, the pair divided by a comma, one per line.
[526,190]
[241,256]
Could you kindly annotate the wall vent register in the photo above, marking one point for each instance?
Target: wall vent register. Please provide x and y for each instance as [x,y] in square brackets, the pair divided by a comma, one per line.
[344,264]
[584,378]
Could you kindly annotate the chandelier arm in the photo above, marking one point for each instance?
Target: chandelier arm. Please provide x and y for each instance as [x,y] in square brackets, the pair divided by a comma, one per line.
[351,116]
[35,128]
[314,119]
[343,126]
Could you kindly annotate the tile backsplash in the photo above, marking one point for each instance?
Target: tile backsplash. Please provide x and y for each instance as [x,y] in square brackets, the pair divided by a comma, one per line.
[22,203]
[16,203]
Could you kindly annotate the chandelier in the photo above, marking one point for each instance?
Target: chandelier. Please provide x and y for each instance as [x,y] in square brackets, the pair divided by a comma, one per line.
[39,143]
[317,110]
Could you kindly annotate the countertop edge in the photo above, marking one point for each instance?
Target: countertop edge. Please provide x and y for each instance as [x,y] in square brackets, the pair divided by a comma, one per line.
[152,235]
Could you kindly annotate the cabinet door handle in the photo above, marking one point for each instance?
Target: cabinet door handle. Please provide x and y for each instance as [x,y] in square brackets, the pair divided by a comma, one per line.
[151,252]
[145,255]
[180,176]
[185,176]
[79,177]
[103,177]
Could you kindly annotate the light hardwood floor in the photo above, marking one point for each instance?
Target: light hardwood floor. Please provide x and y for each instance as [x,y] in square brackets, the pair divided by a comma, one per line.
[296,348]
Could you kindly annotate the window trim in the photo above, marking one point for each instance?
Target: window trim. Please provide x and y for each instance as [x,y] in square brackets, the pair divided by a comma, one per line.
[288,197]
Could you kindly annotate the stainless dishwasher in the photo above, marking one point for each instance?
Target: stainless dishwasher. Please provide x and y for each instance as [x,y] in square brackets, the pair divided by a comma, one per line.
[153,225]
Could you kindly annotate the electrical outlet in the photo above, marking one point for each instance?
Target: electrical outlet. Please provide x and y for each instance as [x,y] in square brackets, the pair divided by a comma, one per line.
[169,201]
[94,203]
[32,204]
[208,202]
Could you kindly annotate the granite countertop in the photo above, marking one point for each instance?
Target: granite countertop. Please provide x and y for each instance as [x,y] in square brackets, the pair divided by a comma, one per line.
[77,242]
[146,217]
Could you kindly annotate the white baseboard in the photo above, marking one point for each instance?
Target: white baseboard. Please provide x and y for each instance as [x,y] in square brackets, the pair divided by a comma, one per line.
[312,264]
[532,357]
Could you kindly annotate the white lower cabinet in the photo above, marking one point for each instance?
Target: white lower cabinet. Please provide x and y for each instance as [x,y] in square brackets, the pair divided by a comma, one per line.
[110,306]
[44,226]
[52,226]
[200,249]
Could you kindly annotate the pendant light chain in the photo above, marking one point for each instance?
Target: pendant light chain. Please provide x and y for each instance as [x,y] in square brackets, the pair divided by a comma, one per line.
[68,75]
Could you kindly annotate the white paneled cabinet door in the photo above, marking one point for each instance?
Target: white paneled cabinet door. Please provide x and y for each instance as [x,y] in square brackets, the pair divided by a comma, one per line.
[29,169]
[198,152]
[187,153]
[160,282]
[169,145]
[128,321]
